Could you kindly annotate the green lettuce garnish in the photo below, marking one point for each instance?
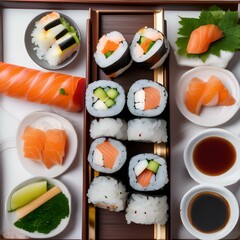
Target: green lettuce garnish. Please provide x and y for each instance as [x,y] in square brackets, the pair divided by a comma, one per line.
[227,21]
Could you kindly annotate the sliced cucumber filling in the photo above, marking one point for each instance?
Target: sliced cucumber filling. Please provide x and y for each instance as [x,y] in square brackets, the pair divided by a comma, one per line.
[153,166]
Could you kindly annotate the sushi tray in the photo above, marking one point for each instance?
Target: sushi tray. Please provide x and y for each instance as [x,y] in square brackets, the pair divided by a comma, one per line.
[104,108]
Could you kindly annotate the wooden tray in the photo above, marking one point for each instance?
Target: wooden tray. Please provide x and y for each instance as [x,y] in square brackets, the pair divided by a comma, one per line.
[102,223]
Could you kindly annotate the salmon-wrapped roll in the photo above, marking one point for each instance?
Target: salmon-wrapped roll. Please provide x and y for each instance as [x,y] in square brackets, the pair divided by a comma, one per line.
[56,89]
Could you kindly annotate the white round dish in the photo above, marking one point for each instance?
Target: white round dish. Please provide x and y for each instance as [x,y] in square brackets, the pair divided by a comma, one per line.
[12,215]
[44,121]
[213,60]
[225,193]
[209,116]
[30,46]
[229,177]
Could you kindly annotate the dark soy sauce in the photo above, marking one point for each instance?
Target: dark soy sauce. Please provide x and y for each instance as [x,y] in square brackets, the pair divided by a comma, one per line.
[208,212]
[214,156]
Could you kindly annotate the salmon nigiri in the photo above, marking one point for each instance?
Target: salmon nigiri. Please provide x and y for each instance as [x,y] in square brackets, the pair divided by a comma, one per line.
[201,38]
[34,140]
[54,148]
[51,88]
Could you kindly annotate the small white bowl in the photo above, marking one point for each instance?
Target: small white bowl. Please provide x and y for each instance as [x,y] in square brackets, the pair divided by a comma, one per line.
[225,193]
[209,116]
[229,177]
[12,215]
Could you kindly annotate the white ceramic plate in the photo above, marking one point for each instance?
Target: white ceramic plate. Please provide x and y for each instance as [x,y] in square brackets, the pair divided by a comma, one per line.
[44,121]
[233,204]
[30,45]
[12,215]
[209,116]
[225,179]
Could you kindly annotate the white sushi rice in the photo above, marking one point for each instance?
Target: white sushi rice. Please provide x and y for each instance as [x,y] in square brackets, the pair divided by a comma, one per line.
[143,209]
[140,84]
[147,130]
[137,52]
[108,127]
[108,193]
[109,112]
[158,181]
[96,163]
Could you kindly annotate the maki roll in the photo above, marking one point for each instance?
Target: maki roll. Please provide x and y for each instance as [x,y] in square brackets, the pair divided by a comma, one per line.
[112,54]
[143,209]
[54,38]
[108,193]
[147,98]
[149,48]
[147,130]
[104,98]
[147,172]
[107,155]
[109,127]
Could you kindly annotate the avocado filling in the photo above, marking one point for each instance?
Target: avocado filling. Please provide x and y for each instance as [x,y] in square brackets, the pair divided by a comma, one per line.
[145,43]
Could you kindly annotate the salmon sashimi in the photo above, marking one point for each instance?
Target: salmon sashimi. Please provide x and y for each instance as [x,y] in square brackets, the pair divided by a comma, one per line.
[201,38]
[152,98]
[209,93]
[33,143]
[145,177]
[54,148]
[109,153]
[193,96]
[55,89]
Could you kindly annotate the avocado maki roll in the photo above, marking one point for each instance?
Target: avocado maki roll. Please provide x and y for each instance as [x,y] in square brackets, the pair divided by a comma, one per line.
[149,48]
[112,54]
[104,98]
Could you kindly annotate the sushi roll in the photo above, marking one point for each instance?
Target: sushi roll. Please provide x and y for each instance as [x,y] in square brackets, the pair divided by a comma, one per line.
[147,172]
[149,48]
[108,193]
[107,155]
[112,54]
[109,127]
[104,98]
[143,209]
[62,49]
[54,38]
[147,130]
[147,98]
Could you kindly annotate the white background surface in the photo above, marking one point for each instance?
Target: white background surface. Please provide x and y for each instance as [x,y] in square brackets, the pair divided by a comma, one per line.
[182,131]
[12,111]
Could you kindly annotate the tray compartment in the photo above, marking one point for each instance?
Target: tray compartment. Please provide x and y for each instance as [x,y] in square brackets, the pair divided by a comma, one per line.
[101,223]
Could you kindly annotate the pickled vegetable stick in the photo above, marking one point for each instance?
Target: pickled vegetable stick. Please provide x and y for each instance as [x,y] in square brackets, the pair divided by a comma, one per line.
[25,210]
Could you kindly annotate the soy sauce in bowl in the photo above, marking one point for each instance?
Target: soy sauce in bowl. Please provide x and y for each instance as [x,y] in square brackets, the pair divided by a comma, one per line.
[214,155]
[208,212]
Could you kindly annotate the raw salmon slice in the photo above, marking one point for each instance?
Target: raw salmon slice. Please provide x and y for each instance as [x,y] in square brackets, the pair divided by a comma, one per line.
[33,144]
[145,177]
[193,96]
[201,38]
[211,94]
[110,46]
[225,98]
[54,148]
[152,98]
[109,152]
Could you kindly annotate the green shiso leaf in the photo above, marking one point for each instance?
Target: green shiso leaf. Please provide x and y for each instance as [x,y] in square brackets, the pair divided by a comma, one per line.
[227,21]
[70,29]
[47,217]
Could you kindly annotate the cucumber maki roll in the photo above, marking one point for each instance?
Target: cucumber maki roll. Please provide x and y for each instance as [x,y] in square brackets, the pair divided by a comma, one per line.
[104,98]
[147,98]
[147,172]
[149,48]
[107,155]
[112,54]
